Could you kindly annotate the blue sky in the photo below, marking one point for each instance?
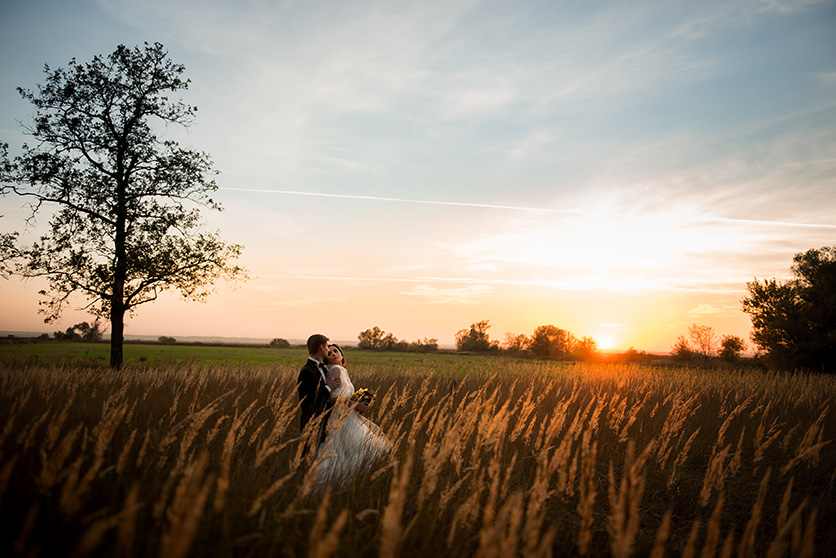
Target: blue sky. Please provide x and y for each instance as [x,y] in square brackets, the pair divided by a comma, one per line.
[618,169]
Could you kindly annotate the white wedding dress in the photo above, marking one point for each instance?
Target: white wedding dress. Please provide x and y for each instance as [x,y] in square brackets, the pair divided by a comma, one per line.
[352,441]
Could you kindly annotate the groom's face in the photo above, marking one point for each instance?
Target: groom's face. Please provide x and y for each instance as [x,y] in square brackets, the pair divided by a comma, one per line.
[322,353]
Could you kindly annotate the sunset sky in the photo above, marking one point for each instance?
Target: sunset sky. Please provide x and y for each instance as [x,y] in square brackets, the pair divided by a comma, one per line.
[617,169]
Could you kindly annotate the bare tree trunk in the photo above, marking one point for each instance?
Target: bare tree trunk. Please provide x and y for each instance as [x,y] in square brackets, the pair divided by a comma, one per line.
[117,303]
[117,333]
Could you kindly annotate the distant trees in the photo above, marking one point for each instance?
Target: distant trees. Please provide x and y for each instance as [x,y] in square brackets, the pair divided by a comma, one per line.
[731,347]
[794,321]
[425,345]
[81,332]
[551,341]
[547,341]
[166,340]
[280,343]
[701,342]
[704,340]
[476,339]
[585,349]
[126,224]
[375,339]
[681,349]
[516,343]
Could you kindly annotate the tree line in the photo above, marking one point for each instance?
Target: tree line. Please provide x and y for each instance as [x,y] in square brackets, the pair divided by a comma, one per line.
[702,343]
[546,341]
[375,339]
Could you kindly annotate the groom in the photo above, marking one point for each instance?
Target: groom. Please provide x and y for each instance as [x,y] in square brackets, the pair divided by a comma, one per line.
[313,386]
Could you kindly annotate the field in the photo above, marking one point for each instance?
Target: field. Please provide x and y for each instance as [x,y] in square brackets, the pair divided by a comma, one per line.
[195,451]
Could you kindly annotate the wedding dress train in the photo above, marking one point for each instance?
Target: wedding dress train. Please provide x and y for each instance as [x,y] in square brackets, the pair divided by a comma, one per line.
[352,441]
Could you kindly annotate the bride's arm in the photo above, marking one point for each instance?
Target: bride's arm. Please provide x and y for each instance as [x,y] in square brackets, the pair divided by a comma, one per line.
[334,372]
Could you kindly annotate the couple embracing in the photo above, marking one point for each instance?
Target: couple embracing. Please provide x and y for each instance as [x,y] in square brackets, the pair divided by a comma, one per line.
[347,441]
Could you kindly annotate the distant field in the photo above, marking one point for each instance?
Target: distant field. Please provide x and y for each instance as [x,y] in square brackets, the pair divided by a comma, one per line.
[150,352]
[138,353]
[196,451]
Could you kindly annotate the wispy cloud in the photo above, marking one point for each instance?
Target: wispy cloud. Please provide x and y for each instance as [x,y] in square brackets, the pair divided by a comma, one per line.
[703,310]
[788,6]
[597,214]
[435,295]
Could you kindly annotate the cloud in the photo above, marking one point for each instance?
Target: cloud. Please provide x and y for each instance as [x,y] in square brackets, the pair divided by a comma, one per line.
[788,6]
[463,295]
[713,310]
[477,99]
[534,144]
[310,301]
[690,217]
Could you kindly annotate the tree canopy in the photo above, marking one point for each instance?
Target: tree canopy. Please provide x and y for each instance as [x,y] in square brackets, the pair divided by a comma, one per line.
[125,225]
[551,341]
[476,338]
[794,321]
[375,339]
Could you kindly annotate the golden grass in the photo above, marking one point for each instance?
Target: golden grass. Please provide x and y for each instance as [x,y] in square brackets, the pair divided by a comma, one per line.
[510,459]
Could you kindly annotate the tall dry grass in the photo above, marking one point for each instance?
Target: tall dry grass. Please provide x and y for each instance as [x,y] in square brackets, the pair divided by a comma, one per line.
[508,458]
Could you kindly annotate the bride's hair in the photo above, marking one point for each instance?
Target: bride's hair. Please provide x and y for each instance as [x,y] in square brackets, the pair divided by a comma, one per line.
[342,353]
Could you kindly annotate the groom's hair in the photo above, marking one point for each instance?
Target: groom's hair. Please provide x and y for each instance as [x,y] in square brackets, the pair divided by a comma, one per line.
[315,341]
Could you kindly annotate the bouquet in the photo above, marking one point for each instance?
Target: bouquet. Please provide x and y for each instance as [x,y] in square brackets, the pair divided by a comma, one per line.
[363,395]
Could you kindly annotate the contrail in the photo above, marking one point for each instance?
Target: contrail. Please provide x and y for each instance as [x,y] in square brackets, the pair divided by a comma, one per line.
[405,200]
[559,285]
[529,209]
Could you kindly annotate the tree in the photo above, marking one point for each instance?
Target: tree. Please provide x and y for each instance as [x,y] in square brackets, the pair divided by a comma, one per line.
[516,343]
[280,343]
[126,225]
[704,340]
[81,331]
[90,332]
[551,341]
[682,350]
[731,346]
[371,339]
[7,253]
[586,348]
[794,321]
[8,250]
[426,345]
[632,355]
[476,338]
[388,342]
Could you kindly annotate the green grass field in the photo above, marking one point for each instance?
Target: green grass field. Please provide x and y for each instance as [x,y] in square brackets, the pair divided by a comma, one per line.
[149,352]
[98,354]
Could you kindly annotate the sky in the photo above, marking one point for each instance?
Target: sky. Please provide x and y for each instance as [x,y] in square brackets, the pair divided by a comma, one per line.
[618,169]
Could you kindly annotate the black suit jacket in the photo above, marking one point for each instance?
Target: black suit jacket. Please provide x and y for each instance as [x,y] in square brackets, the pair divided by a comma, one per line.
[313,394]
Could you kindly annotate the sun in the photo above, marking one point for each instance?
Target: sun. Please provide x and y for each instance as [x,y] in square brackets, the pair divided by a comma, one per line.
[605,343]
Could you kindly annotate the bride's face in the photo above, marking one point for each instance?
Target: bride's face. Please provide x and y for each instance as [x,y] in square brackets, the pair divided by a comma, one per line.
[334,355]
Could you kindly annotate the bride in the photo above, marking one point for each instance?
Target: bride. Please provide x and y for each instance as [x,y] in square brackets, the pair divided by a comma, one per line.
[352,441]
